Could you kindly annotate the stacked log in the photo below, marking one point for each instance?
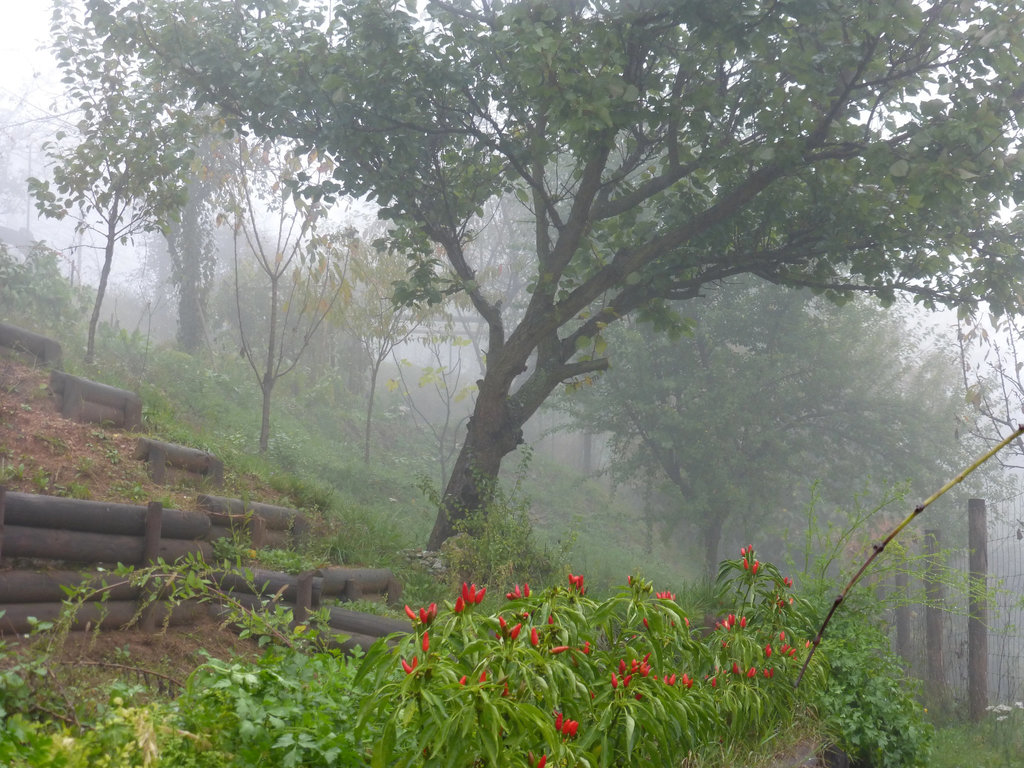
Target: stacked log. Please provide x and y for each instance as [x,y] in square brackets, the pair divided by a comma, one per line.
[30,347]
[75,530]
[267,525]
[353,584]
[170,463]
[85,400]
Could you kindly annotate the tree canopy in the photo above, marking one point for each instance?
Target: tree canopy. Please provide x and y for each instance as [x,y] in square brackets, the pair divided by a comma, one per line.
[774,399]
[656,146]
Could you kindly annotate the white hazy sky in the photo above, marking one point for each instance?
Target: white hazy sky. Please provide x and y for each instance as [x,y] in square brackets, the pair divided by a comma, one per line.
[24,28]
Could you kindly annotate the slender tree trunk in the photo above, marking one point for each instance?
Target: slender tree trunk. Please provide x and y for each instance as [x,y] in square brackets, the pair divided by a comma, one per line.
[267,387]
[374,370]
[267,384]
[108,258]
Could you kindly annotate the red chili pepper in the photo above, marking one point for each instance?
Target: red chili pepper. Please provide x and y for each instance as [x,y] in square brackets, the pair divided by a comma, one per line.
[534,638]
[558,721]
[462,680]
[743,622]
[515,631]
[406,666]
[460,605]
[615,681]
[543,761]
[409,613]
[426,642]
[735,668]
[560,649]
[483,676]
[768,650]
[526,589]
[751,672]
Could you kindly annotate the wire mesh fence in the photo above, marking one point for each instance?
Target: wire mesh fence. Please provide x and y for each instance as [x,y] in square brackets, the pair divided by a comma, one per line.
[945,662]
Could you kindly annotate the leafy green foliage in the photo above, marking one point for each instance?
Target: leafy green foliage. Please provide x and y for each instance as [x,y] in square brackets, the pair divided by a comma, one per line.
[868,702]
[772,392]
[620,682]
[291,708]
[122,171]
[34,293]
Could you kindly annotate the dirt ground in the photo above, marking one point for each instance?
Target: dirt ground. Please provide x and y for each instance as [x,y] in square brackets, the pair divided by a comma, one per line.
[43,453]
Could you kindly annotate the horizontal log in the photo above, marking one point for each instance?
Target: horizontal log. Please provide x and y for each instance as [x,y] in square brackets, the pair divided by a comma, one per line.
[37,349]
[356,583]
[164,456]
[113,614]
[353,641]
[365,623]
[224,510]
[86,547]
[272,539]
[49,586]
[266,583]
[29,509]
[88,400]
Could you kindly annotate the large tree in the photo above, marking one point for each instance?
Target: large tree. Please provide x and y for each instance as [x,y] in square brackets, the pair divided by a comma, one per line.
[771,393]
[657,146]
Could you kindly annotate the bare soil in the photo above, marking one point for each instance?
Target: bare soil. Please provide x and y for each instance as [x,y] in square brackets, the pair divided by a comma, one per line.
[43,453]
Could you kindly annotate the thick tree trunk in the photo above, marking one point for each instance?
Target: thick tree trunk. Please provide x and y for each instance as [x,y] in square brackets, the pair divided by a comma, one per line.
[492,433]
[712,543]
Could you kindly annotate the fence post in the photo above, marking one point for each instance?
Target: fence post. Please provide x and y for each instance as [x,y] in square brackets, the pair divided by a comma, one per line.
[3,494]
[934,593]
[304,597]
[150,552]
[977,622]
[902,615]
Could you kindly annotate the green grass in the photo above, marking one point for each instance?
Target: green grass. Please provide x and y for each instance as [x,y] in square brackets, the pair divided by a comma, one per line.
[995,742]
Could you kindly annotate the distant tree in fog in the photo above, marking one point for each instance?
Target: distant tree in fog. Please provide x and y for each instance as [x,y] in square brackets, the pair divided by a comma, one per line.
[122,171]
[300,264]
[771,391]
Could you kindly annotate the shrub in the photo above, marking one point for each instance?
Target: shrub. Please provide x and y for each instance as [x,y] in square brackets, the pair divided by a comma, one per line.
[868,702]
[556,676]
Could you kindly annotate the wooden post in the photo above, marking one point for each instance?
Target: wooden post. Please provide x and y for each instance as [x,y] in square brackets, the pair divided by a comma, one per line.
[151,538]
[3,504]
[902,615]
[304,596]
[977,622]
[257,531]
[150,552]
[934,597]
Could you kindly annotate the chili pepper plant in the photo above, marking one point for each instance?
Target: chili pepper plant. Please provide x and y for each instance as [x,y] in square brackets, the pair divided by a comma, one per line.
[557,678]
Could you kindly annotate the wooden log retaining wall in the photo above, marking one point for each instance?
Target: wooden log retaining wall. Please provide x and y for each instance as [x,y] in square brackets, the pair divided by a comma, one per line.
[170,463]
[85,400]
[89,532]
[266,524]
[30,347]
